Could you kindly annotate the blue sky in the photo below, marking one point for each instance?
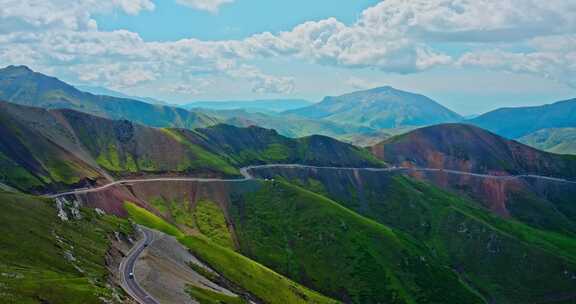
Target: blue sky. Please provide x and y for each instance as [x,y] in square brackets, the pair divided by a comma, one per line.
[470,55]
[171,21]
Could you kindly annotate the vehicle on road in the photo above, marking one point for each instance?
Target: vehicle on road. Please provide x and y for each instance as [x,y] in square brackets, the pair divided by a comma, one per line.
[131,275]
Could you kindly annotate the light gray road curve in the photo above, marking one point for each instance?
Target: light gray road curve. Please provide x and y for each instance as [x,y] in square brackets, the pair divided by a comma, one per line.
[127,266]
[246,175]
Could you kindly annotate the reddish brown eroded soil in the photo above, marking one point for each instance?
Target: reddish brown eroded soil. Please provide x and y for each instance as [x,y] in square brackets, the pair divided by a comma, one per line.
[112,199]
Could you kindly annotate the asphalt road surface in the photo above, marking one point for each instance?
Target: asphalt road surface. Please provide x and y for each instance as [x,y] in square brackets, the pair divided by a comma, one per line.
[246,175]
[127,267]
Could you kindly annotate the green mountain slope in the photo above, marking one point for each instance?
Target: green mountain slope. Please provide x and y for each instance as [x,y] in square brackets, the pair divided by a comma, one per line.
[254,145]
[503,260]
[518,122]
[46,260]
[261,282]
[317,242]
[58,149]
[19,84]
[555,140]
[379,108]
[36,151]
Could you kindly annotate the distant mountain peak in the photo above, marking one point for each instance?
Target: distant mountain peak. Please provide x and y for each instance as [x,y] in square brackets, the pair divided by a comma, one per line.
[21,85]
[386,88]
[380,108]
[521,121]
[17,69]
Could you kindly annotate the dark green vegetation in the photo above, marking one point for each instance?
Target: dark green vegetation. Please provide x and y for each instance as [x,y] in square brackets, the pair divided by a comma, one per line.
[58,149]
[46,260]
[518,122]
[503,260]
[469,148]
[21,85]
[257,279]
[555,140]
[313,240]
[254,145]
[379,108]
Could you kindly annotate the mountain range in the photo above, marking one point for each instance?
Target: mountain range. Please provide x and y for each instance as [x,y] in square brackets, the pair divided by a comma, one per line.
[263,105]
[363,117]
[43,148]
[521,121]
[108,92]
[19,84]
[442,212]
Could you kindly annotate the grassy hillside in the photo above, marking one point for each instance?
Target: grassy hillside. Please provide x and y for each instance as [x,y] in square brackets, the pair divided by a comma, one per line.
[30,158]
[315,241]
[255,145]
[555,140]
[504,260]
[260,281]
[46,260]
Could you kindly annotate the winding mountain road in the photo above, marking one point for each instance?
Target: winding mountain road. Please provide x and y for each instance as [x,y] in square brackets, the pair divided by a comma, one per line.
[129,282]
[246,175]
[127,266]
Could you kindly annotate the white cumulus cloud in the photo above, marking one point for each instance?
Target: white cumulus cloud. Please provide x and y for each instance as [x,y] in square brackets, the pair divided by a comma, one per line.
[551,57]
[394,36]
